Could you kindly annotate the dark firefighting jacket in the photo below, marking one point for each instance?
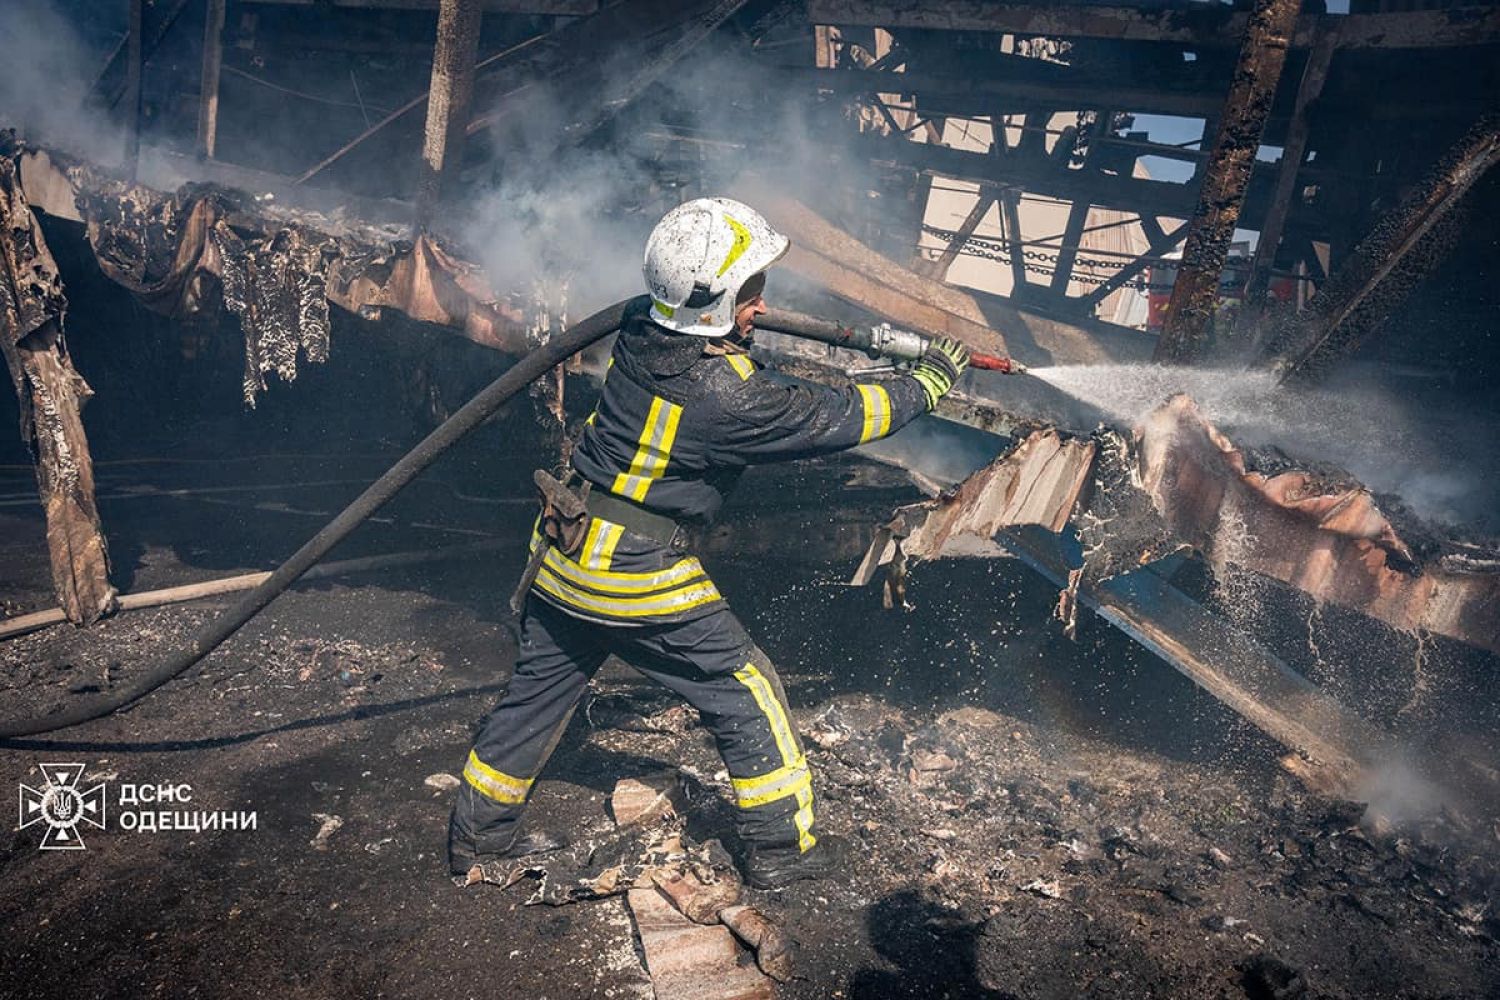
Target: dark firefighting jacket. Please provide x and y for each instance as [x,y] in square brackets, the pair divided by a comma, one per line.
[673,430]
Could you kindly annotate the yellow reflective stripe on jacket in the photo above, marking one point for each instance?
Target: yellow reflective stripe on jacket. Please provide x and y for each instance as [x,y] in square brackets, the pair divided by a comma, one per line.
[784,781]
[685,570]
[599,544]
[496,785]
[877,406]
[742,365]
[668,602]
[652,450]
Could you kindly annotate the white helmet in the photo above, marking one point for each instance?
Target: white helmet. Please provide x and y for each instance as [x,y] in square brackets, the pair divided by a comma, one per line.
[698,257]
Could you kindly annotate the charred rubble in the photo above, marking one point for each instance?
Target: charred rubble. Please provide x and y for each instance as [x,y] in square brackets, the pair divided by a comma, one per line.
[1306,804]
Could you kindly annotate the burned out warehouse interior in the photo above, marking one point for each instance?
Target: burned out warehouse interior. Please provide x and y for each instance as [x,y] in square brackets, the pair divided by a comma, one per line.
[1125,614]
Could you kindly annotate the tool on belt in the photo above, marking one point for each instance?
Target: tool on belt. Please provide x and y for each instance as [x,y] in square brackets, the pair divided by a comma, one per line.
[565,521]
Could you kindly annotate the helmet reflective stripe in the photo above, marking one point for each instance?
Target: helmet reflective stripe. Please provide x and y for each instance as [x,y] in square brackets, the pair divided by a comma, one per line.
[697,259]
[742,240]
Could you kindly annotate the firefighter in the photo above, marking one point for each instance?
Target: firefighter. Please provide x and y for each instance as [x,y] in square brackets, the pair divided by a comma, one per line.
[682,412]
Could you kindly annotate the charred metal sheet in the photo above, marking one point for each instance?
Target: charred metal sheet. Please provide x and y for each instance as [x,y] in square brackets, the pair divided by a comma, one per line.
[1037,482]
[1388,263]
[278,287]
[1329,540]
[1226,179]
[1179,483]
[51,394]
[186,252]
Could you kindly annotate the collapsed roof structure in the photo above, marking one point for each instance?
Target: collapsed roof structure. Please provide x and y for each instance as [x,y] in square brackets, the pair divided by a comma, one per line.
[889,93]
[1067,183]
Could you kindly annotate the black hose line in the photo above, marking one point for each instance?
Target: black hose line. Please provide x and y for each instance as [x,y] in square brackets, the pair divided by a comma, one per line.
[470,416]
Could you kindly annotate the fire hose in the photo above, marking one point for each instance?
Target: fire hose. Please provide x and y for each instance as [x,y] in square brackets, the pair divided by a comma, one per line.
[896,344]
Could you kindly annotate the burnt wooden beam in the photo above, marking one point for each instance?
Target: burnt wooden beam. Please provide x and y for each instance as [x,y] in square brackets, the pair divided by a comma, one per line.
[555,8]
[151,40]
[208,93]
[135,59]
[1198,25]
[1226,179]
[1292,152]
[1383,267]
[51,395]
[448,97]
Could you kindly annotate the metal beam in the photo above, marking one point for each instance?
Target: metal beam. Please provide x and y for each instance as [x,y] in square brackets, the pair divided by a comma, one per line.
[1198,25]
[938,269]
[1160,243]
[955,92]
[1078,213]
[1226,179]
[1382,268]
[208,91]
[448,98]
[1292,152]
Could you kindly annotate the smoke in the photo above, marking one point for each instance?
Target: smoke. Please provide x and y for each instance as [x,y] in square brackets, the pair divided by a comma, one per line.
[578,213]
[46,69]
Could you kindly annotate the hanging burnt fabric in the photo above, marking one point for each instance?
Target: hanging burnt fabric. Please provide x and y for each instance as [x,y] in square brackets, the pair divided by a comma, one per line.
[278,287]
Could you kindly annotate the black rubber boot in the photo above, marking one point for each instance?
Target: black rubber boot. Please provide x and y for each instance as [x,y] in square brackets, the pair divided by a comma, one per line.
[463,854]
[772,866]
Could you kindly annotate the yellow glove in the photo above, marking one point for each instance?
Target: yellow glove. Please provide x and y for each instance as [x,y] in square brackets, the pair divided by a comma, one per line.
[939,367]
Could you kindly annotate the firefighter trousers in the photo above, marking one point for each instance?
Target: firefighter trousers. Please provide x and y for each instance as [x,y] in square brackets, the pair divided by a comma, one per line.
[710,661]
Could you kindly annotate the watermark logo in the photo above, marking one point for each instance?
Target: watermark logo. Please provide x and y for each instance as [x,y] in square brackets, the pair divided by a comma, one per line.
[62,804]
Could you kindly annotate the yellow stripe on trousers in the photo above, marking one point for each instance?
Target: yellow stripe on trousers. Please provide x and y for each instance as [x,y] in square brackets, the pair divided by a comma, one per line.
[877,407]
[496,785]
[791,757]
[652,450]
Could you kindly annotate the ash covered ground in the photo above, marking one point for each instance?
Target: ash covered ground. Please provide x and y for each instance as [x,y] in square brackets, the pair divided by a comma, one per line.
[1030,816]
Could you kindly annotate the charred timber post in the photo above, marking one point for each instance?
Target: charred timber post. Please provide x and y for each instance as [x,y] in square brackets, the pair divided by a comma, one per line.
[448,98]
[1383,268]
[51,395]
[1222,195]
[135,59]
[208,97]
[1292,151]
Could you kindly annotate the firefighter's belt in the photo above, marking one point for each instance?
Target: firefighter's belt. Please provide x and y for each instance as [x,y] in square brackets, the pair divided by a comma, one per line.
[633,517]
